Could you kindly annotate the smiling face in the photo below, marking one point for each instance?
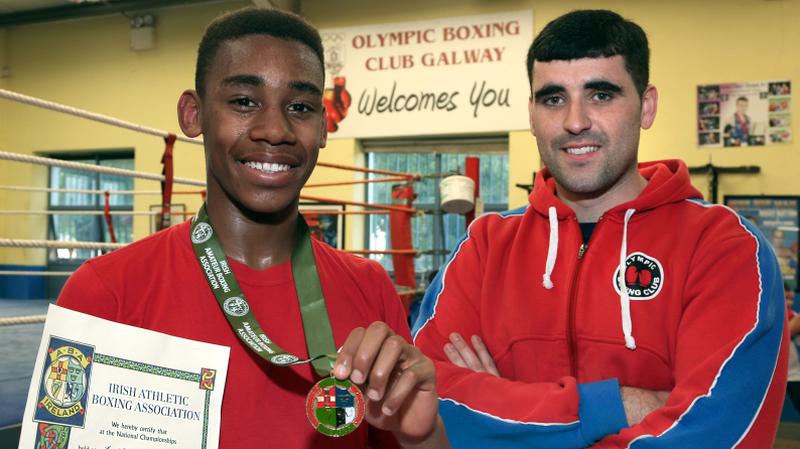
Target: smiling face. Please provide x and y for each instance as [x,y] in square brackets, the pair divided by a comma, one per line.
[262,122]
[586,115]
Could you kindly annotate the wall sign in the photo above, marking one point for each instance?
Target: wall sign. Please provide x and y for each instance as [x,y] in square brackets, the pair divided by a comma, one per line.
[448,76]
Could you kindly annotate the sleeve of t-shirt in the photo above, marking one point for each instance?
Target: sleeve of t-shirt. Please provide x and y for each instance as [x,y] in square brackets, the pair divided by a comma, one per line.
[86,292]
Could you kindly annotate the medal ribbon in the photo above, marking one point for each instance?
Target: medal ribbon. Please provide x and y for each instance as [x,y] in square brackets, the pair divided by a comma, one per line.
[316,324]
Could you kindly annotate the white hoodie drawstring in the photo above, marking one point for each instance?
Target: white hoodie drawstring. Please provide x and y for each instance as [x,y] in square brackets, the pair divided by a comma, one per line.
[552,249]
[624,299]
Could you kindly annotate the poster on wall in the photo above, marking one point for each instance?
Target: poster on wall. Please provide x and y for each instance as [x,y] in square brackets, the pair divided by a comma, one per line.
[451,75]
[778,217]
[744,114]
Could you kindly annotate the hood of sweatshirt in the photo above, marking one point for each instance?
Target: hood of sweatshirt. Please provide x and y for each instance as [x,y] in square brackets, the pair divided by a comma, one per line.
[667,182]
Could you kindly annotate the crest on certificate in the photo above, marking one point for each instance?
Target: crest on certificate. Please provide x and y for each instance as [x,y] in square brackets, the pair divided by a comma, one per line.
[64,383]
[52,436]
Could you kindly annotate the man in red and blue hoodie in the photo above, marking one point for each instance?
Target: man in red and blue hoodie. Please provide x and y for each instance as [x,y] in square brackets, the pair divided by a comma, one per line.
[617,310]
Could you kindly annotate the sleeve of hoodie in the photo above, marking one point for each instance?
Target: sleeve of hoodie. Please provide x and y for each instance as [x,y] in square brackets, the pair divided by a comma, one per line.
[483,411]
[730,353]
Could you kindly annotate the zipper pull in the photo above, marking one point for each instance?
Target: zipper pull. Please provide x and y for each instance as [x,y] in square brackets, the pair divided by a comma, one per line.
[582,250]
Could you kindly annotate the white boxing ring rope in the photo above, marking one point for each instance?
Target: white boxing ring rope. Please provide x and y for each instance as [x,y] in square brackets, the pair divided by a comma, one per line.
[80,212]
[54,190]
[33,101]
[21,243]
[80,191]
[30,319]
[33,319]
[53,106]
[51,244]
[5,155]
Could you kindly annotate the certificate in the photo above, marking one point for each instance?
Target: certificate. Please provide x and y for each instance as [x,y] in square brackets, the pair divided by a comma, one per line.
[98,384]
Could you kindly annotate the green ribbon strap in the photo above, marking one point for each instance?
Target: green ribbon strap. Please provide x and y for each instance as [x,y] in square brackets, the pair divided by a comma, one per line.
[316,323]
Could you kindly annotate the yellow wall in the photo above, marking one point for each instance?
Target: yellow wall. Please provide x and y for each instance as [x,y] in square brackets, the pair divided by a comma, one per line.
[3,85]
[3,54]
[87,64]
[346,152]
[692,43]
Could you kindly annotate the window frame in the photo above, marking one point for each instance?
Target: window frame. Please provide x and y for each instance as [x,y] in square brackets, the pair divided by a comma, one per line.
[90,157]
[489,145]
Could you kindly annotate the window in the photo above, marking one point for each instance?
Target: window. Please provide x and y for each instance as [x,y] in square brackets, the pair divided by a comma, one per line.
[425,235]
[82,227]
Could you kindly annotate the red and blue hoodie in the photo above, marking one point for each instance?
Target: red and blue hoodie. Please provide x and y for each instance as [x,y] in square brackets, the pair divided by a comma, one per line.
[669,293]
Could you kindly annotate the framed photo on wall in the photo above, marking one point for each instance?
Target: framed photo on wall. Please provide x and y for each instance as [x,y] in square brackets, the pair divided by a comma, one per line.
[778,218]
[324,223]
[745,114]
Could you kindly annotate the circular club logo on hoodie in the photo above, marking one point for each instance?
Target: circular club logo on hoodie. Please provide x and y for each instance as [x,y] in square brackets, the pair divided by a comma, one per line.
[644,277]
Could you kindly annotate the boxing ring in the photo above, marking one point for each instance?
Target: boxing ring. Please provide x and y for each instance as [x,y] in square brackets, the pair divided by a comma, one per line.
[400,212]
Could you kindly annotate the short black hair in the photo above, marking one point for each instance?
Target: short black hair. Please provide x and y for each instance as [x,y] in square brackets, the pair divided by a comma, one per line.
[593,34]
[248,21]
[742,98]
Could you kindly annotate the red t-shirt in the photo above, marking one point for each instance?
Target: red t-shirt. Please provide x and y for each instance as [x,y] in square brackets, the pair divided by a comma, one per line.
[157,283]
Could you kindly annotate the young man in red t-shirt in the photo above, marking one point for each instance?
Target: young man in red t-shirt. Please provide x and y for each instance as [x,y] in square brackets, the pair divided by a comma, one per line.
[258,105]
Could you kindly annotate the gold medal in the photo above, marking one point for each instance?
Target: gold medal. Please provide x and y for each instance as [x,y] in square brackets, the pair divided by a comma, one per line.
[335,407]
